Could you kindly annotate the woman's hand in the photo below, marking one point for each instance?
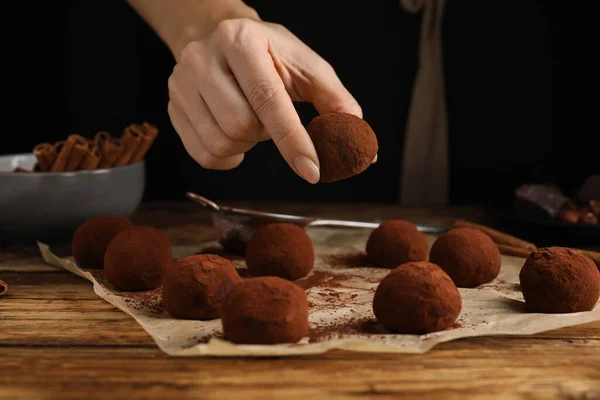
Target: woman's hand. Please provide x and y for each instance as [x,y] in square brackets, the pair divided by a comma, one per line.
[236,87]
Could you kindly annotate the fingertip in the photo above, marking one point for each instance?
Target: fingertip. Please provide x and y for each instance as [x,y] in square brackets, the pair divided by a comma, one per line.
[355,109]
[307,169]
[375,159]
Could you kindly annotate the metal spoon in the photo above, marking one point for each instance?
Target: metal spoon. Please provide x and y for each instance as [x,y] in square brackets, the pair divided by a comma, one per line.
[237,225]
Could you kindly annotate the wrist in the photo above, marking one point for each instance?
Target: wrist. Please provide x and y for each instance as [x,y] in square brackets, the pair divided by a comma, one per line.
[202,28]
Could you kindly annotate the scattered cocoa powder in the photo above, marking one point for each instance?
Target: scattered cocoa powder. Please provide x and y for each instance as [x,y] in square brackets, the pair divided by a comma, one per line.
[323,279]
[312,280]
[194,287]
[265,310]
[468,255]
[150,300]
[346,145]
[559,280]
[350,260]
[396,242]
[206,338]
[358,326]
[280,249]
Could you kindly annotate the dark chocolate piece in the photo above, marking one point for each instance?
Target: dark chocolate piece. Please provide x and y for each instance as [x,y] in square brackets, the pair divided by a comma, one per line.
[540,201]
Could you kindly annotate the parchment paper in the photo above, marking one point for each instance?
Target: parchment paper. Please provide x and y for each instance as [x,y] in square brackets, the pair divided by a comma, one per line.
[340,307]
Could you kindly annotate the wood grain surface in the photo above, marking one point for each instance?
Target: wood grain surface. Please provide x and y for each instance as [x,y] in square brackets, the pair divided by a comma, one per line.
[58,340]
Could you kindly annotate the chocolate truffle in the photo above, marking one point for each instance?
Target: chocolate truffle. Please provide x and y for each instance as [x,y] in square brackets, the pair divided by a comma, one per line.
[559,280]
[280,249]
[468,255]
[417,298]
[195,287]
[136,258]
[346,145]
[265,310]
[396,242]
[92,237]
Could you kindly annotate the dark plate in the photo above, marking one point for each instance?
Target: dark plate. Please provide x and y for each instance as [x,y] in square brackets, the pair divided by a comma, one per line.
[546,232]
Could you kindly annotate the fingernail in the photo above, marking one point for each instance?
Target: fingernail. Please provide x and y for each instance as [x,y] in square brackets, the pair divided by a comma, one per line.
[374,160]
[307,169]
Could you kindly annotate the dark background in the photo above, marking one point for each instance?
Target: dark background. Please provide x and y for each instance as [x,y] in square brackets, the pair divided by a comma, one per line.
[85,66]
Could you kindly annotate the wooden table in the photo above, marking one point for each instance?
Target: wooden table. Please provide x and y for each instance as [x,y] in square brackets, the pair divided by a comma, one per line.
[59,340]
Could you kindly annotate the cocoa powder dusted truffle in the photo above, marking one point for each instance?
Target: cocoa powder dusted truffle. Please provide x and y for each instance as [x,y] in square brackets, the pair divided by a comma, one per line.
[417,298]
[92,237]
[468,255]
[396,242]
[346,145]
[265,310]
[195,287]
[559,280]
[136,258]
[280,249]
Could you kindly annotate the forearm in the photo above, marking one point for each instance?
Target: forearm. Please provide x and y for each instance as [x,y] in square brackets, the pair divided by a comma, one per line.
[180,22]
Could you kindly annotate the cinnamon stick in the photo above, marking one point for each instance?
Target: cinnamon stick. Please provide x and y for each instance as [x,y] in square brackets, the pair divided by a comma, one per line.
[62,156]
[91,158]
[524,253]
[46,154]
[109,148]
[130,140]
[100,138]
[78,153]
[3,287]
[69,156]
[513,251]
[148,133]
[497,236]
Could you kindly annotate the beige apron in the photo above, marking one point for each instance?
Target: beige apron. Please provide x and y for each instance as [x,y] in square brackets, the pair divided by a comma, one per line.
[425,163]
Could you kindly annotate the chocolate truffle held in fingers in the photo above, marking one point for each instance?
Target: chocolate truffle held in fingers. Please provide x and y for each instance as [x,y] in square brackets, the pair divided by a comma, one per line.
[346,145]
